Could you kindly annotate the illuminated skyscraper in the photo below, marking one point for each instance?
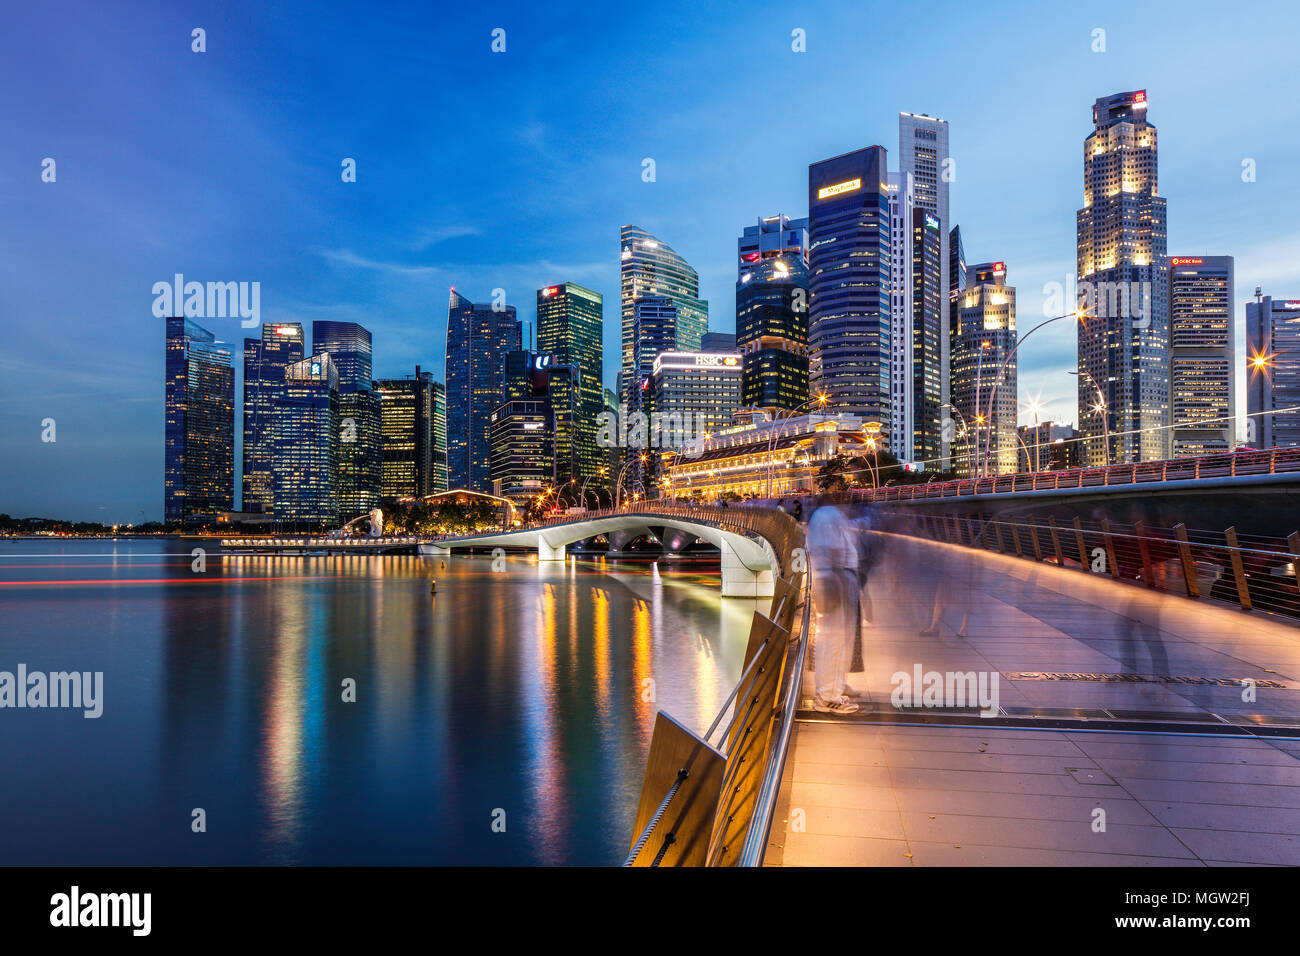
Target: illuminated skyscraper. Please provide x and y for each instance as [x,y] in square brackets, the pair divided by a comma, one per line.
[349,346]
[412,423]
[1202,354]
[986,336]
[651,267]
[199,423]
[925,360]
[265,360]
[1273,372]
[305,442]
[478,338]
[570,322]
[849,283]
[772,331]
[1123,340]
[923,156]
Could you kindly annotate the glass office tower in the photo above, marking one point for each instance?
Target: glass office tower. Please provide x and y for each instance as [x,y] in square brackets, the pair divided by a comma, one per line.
[772,331]
[983,390]
[198,424]
[478,338]
[265,360]
[570,322]
[928,299]
[349,346]
[411,422]
[849,283]
[1202,355]
[1273,372]
[305,441]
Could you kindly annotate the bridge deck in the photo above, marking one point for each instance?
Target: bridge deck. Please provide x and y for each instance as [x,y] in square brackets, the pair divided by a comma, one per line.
[986,792]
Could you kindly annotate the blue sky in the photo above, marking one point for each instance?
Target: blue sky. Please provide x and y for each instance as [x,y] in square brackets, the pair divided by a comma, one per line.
[515,170]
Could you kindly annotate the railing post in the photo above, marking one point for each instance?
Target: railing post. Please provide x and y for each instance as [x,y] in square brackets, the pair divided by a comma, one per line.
[997,531]
[1109,544]
[1033,537]
[1084,564]
[1056,542]
[1015,536]
[1293,539]
[1189,569]
[1148,576]
[1238,572]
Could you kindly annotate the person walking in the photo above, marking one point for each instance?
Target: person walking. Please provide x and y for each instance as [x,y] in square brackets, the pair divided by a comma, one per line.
[833,553]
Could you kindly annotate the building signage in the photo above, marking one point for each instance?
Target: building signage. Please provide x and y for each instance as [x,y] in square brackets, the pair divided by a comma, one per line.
[684,360]
[839,188]
[1186,262]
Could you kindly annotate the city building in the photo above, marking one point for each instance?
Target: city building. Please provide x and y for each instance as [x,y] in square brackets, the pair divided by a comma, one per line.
[198,423]
[929,299]
[360,458]
[900,315]
[1273,372]
[412,417]
[780,457]
[1202,355]
[478,338]
[771,237]
[265,359]
[849,283]
[984,391]
[654,327]
[956,289]
[1123,336]
[305,444]
[650,267]
[924,160]
[693,394]
[570,322]
[718,342]
[1047,446]
[538,377]
[523,459]
[772,331]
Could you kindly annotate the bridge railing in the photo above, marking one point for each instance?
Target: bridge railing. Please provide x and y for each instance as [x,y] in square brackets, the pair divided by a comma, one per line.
[1252,571]
[1270,461]
[708,800]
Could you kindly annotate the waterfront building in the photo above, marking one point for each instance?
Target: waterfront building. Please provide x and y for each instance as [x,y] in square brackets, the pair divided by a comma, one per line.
[305,444]
[523,457]
[1273,372]
[693,394]
[360,458]
[986,337]
[1123,339]
[198,423]
[1202,355]
[772,331]
[412,444]
[849,283]
[265,359]
[478,338]
[923,371]
[570,323]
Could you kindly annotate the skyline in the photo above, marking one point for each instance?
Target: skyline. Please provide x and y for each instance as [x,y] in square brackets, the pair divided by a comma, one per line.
[535,192]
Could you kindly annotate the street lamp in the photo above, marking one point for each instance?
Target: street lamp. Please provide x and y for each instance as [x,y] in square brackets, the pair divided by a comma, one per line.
[618,487]
[1077,315]
[820,401]
[1100,409]
[873,430]
[970,460]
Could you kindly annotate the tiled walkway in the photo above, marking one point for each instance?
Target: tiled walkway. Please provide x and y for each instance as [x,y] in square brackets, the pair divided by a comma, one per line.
[872,793]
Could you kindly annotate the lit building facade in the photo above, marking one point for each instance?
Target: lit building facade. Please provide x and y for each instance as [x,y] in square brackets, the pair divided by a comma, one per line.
[900,315]
[570,322]
[929,299]
[198,423]
[1273,372]
[1123,341]
[770,238]
[772,331]
[1047,446]
[265,359]
[478,338]
[694,393]
[849,283]
[412,447]
[523,459]
[1202,354]
[305,439]
[986,337]
[360,459]
[650,267]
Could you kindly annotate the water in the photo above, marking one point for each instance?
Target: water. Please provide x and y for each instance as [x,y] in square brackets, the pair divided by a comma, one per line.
[526,696]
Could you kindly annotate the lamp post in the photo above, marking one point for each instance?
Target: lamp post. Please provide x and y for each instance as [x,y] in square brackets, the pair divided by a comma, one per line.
[820,401]
[873,431]
[618,486]
[1101,409]
[1077,315]
[970,460]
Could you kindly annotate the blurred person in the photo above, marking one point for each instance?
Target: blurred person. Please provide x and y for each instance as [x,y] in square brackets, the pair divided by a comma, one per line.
[832,550]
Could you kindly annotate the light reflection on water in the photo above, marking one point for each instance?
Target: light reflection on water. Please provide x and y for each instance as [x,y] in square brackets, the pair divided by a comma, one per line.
[530,693]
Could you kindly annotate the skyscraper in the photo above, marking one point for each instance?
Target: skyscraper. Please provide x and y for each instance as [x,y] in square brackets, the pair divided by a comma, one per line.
[849,283]
[694,393]
[265,360]
[1123,338]
[956,288]
[900,316]
[1273,372]
[923,156]
[478,338]
[199,423]
[349,347]
[770,238]
[305,443]
[983,391]
[651,267]
[772,331]
[928,299]
[1202,354]
[570,322]
[412,453]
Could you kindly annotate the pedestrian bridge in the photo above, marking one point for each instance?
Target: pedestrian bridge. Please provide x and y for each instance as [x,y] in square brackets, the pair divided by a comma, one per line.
[750,565]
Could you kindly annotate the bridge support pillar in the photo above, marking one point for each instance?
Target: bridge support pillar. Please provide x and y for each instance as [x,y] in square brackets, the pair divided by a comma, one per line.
[739,581]
[435,551]
[546,553]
